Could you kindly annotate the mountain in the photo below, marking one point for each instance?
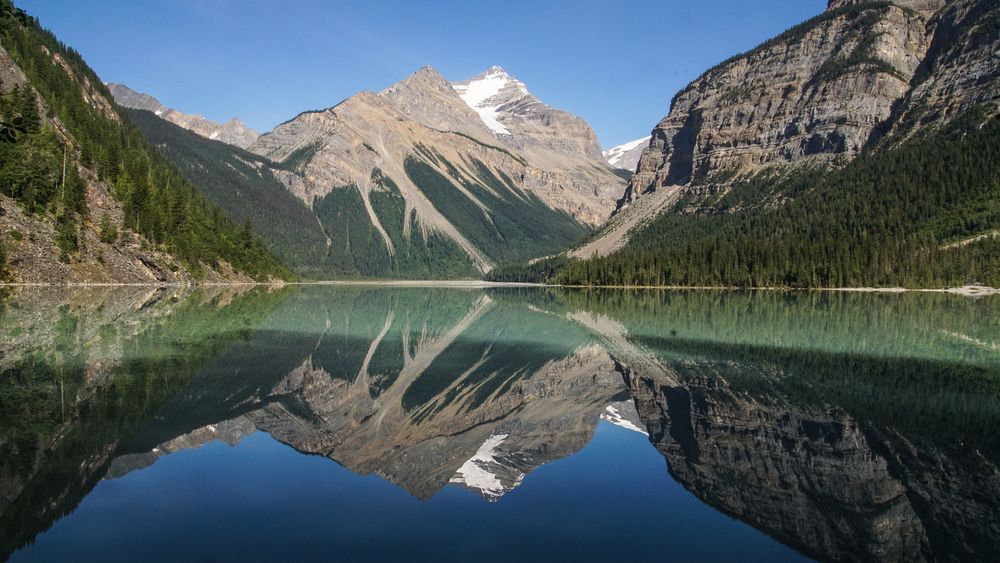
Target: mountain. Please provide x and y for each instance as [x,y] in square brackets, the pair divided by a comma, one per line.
[83,197]
[233,132]
[857,148]
[416,181]
[626,156]
[411,182]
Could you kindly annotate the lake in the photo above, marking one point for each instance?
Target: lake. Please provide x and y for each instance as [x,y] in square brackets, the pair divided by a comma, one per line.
[493,424]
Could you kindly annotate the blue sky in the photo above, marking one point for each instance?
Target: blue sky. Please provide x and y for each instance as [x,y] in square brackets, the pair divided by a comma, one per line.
[614,63]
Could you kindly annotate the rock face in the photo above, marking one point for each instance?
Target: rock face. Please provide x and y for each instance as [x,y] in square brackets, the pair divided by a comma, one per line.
[626,156]
[789,101]
[819,94]
[925,6]
[233,132]
[556,142]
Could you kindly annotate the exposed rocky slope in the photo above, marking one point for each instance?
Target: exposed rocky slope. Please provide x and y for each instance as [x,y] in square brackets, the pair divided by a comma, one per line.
[233,132]
[818,94]
[249,187]
[426,179]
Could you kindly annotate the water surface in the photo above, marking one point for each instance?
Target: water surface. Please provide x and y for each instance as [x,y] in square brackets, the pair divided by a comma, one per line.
[374,423]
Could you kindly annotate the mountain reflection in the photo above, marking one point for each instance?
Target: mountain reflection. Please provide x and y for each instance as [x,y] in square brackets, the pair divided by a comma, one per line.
[845,426]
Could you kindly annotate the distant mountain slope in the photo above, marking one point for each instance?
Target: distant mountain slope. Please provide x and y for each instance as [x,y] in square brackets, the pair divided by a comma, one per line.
[233,132]
[83,198]
[626,156]
[247,186]
[754,177]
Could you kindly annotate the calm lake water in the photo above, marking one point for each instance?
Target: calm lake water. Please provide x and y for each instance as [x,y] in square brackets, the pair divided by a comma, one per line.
[372,423]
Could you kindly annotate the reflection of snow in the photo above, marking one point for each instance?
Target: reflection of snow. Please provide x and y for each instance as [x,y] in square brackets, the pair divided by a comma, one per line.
[612,415]
[474,472]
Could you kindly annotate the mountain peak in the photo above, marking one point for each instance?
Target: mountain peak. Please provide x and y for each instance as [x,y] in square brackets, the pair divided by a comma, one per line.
[487,92]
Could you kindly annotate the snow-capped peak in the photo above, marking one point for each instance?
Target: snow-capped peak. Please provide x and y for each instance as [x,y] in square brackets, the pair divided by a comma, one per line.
[487,92]
[626,155]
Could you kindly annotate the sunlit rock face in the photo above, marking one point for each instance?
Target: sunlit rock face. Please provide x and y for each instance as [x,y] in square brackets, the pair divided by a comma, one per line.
[858,75]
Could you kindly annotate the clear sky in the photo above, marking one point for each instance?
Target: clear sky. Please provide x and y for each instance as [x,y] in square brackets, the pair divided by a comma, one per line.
[616,63]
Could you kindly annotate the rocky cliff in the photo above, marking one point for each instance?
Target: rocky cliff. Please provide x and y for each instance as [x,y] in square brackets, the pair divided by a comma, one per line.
[817,95]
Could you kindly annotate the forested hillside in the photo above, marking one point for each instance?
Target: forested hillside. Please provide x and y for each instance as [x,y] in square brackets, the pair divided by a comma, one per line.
[68,157]
[245,185]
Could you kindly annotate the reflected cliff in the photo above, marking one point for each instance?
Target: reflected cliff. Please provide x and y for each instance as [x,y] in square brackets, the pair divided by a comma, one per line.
[851,427]
[845,426]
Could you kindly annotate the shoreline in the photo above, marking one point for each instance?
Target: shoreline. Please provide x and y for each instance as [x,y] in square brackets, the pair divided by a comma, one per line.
[966,291]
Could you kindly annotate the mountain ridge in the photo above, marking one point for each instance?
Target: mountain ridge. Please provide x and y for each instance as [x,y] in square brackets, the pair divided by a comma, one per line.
[233,131]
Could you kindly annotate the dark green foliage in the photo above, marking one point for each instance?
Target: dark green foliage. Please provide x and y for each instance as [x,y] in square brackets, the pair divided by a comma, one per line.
[108,231]
[516,224]
[419,254]
[67,235]
[356,246]
[539,270]
[885,219]
[244,185]
[300,157]
[158,202]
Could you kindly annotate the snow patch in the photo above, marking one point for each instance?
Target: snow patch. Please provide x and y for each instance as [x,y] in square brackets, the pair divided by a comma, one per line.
[474,472]
[614,155]
[158,112]
[214,135]
[612,415]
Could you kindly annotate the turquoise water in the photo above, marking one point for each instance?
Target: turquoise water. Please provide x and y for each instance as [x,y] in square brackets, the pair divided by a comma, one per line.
[367,423]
